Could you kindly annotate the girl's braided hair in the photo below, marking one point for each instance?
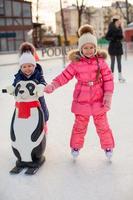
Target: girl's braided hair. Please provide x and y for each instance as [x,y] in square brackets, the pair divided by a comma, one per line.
[98,70]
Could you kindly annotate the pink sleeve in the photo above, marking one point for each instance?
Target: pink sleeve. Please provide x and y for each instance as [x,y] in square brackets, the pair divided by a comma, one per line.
[66,75]
[107,76]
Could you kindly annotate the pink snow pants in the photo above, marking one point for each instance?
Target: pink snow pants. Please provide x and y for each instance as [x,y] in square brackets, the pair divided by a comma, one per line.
[102,127]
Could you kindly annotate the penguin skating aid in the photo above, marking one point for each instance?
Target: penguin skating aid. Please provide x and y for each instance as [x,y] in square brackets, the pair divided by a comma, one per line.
[27,129]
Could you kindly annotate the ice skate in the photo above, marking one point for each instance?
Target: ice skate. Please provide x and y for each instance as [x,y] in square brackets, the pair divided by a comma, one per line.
[75,153]
[109,153]
[121,79]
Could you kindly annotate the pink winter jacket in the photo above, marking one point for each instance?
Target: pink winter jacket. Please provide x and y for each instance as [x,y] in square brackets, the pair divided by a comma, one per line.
[88,98]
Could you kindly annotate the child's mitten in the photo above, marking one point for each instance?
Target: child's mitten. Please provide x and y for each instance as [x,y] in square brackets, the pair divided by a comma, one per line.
[51,87]
[107,99]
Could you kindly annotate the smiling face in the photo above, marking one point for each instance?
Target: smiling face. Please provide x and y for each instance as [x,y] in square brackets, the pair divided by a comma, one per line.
[27,69]
[89,50]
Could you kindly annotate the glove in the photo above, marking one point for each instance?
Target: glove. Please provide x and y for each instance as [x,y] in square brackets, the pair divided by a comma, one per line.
[107,100]
[40,90]
[51,87]
[10,89]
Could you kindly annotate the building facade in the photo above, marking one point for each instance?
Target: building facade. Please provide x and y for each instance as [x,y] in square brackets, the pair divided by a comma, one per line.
[15,23]
[92,16]
[99,18]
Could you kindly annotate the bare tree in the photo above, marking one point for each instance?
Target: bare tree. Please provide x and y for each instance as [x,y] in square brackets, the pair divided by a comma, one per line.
[63,24]
[84,9]
[80,9]
[37,6]
[90,11]
[126,17]
[108,14]
[127,11]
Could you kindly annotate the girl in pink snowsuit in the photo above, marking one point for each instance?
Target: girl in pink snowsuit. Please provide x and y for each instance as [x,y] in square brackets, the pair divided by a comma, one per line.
[93,91]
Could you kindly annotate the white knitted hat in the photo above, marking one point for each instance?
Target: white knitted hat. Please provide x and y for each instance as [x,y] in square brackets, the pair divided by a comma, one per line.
[87,38]
[27,57]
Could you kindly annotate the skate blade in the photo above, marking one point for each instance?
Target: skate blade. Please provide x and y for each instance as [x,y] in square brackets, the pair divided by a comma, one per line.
[16,170]
[120,81]
[74,159]
[109,159]
[31,171]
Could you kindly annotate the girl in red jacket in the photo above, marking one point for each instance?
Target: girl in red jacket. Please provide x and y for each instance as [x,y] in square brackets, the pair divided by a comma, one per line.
[92,94]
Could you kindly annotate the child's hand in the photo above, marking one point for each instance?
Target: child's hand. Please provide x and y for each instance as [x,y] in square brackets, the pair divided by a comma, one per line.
[10,89]
[107,100]
[51,87]
[39,90]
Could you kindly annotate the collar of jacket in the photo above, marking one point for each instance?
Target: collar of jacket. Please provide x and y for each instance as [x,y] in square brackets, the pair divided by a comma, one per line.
[88,60]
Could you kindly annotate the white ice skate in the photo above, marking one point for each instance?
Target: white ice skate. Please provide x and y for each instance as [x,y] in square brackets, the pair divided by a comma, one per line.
[75,153]
[121,79]
[109,153]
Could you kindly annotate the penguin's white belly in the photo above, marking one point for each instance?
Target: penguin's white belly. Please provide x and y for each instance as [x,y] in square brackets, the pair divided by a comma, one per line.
[23,129]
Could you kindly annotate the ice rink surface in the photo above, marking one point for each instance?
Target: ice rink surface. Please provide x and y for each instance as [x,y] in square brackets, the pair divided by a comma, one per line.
[91,177]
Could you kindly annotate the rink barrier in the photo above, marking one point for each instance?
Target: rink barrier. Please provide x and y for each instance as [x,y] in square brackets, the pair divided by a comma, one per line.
[44,54]
[54,53]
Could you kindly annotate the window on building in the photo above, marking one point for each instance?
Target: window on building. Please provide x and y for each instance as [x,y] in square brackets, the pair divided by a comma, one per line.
[26,10]
[17,22]
[11,44]
[9,22]
[25,35]
[18,43]
[2,22]
[8,8]
[19,35]
[27,22]
[3,44]
[1,7]
[16,9]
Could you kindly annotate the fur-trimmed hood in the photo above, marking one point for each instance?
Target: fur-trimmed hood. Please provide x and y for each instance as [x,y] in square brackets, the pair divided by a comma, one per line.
[74,55]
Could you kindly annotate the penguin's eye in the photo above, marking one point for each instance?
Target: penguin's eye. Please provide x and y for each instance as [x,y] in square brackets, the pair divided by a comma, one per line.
[17,89]
[30,87]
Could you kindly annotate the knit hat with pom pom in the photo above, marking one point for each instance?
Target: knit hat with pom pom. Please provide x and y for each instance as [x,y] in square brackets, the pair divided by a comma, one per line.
[26,58]
[86,35]
[26,47]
